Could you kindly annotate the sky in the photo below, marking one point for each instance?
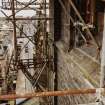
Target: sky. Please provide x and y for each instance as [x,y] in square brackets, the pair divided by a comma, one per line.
[22,13]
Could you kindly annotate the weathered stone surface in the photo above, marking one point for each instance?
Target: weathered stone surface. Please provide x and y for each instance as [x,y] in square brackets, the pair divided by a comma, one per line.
[76,70]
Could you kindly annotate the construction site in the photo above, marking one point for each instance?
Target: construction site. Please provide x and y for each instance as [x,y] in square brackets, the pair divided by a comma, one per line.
[52,52]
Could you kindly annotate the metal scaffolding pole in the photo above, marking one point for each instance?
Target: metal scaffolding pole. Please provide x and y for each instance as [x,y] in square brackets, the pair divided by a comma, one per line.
[14,30]
[25,6]
[49,93]
[36,18]
[82,20]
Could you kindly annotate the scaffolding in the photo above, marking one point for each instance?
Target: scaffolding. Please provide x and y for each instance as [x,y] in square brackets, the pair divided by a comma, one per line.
[42,59]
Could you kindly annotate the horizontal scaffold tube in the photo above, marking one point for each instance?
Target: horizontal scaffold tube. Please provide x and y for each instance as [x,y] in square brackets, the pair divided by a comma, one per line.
[26,18]
[48,93]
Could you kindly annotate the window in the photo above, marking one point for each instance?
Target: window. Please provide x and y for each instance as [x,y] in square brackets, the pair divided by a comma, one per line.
[26,49]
